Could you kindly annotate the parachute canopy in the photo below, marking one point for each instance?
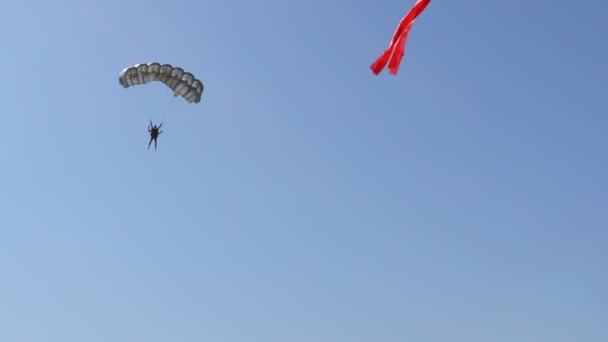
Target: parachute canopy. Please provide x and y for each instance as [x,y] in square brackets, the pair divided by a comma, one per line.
[182,83]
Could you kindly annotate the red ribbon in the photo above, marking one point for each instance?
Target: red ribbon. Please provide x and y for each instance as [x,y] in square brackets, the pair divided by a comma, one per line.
[396,49]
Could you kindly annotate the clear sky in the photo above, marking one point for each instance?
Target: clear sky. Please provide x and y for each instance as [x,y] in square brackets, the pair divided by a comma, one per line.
[305,199]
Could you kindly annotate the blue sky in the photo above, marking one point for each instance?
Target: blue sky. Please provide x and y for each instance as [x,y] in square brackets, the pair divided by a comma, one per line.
[305,199]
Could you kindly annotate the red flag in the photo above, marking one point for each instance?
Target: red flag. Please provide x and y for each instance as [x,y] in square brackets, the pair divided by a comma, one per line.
[396,48]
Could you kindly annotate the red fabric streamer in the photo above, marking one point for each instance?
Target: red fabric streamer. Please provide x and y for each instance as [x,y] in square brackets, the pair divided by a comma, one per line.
[396,49]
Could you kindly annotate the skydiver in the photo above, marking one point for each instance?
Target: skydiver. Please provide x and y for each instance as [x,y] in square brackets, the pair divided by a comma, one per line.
[154,133]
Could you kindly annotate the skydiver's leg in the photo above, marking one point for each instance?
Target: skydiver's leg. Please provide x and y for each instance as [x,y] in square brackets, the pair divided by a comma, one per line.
[154,144]
[150,143]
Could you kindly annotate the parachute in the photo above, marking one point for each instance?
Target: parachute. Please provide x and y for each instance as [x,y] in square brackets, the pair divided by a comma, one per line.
[181,82]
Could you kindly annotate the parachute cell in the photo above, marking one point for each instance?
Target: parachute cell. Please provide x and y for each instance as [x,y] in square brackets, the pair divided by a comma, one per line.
[182,83]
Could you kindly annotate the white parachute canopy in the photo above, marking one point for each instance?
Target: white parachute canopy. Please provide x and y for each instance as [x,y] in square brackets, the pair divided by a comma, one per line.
[182,83]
